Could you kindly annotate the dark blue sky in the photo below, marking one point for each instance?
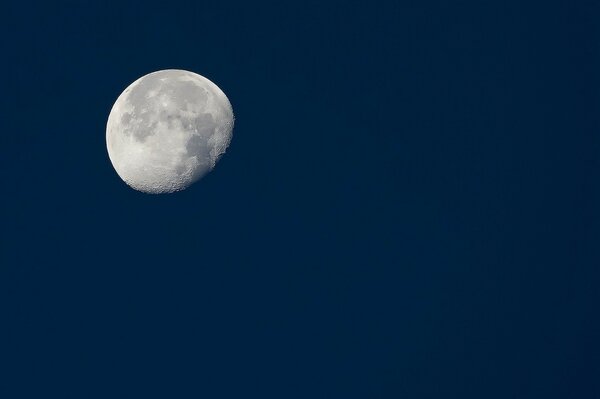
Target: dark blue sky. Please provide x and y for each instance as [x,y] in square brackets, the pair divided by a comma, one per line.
[410,206]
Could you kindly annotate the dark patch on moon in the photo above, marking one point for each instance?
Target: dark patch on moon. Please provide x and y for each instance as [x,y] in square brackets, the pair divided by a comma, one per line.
[198,146]
[204,125]
[125,118]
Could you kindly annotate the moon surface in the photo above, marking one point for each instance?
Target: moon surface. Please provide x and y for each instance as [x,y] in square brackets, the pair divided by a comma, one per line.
[167,130]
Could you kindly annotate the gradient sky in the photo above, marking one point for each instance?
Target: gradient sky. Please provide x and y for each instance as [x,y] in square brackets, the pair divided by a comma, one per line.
[410,206]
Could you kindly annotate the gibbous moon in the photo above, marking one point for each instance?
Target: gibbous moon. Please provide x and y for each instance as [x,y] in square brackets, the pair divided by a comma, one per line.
[167,130]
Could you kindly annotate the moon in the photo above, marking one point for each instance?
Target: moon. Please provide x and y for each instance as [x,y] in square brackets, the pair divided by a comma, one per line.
[167,130]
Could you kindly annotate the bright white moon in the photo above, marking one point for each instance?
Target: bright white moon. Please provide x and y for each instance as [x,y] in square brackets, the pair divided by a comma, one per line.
[167,130]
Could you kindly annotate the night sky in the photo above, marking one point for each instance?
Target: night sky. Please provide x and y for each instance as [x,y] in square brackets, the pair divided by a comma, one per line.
[409,208]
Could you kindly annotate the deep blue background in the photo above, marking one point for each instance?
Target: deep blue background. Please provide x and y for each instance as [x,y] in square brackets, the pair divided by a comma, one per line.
[410,206]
